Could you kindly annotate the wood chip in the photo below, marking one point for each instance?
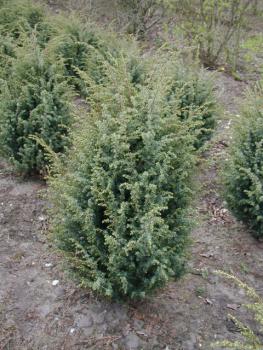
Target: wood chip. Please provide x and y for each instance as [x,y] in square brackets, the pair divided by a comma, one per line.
[233,306]
[207,255]
[208,301]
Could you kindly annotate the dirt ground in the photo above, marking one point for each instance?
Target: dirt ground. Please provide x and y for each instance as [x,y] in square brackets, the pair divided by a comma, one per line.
[41,308]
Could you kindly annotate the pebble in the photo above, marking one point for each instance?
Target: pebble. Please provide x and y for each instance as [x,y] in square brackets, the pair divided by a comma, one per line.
[48,265]
[42,218]
[72,330]
[55,282]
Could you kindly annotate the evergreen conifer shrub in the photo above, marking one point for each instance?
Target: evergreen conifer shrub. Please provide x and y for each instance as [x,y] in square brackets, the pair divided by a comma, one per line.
[7,54]
[86,51]
[244,172]
[34,104]
[120,202]
[195,91]
[81,49]
[22,18]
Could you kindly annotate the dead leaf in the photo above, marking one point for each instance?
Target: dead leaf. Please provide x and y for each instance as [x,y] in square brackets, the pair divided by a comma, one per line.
[207,255]
[233,306]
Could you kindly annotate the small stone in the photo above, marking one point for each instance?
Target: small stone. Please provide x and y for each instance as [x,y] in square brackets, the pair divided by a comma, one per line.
[142,333]
[207,255]
[100,318]
[208,301]
[72,330]
[132,341]
[55,283]
[233,306]
[85,321]
[48,265]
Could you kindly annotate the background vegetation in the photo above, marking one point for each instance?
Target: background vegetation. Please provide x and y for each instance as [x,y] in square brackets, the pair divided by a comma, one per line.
[159,110]
[35,103]
[244,175]
[120,212]
[121,207]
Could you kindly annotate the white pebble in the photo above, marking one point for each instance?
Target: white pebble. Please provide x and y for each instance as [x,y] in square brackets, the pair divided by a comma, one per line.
[48,265]
[55,282]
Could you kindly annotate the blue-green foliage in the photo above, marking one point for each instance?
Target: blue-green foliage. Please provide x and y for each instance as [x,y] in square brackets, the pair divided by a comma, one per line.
[197,101]
[244,174]
[120,202]
[34,102]
[86,51]
[33,89]
[21,18]
[80,50]
[7,54]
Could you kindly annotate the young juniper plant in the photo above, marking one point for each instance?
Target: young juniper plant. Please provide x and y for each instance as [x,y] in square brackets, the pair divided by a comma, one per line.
[244,172]
[34,110]
[22,18]
[120,201]
[81,49]
[194,89]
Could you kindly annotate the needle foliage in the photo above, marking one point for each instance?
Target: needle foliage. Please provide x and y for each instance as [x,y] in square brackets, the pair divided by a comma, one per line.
[120,201]
[244,172]
[34,104]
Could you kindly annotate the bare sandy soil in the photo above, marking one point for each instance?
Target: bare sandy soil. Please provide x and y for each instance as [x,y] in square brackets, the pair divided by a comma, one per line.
[41,308]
